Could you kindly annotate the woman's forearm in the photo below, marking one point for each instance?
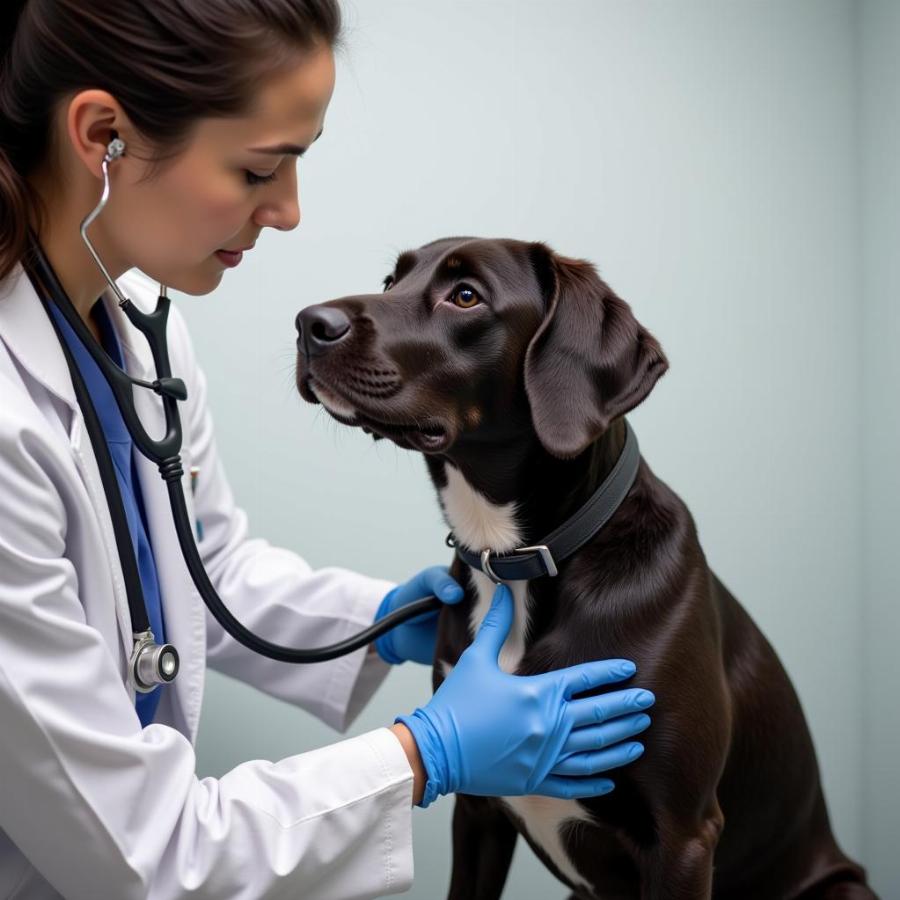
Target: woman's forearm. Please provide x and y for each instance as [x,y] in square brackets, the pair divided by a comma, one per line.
[408,742]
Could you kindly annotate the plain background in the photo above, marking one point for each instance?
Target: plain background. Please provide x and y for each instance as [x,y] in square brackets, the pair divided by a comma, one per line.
[731,168]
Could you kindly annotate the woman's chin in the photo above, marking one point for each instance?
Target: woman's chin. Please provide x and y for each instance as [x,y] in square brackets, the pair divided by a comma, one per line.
[198,281]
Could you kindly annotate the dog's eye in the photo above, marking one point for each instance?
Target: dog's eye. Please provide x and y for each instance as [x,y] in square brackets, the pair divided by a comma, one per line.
[464,297]
[388,283]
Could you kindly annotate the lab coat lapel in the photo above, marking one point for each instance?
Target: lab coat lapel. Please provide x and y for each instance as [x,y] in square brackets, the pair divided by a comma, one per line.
[30,337]
[28,333]
[182,606]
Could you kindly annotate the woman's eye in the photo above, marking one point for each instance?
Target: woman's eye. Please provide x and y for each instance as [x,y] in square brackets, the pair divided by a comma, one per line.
[388,283]
[253,178]
[464,297]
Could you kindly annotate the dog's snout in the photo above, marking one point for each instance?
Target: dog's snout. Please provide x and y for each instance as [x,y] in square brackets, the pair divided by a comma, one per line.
[320,327]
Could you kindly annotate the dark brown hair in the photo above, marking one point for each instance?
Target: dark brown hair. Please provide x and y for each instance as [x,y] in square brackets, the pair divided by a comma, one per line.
[167,62]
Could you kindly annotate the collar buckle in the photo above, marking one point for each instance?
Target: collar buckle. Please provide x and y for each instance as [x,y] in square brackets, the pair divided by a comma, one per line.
[541,550]
[486,566]
[546,557]
[538,560]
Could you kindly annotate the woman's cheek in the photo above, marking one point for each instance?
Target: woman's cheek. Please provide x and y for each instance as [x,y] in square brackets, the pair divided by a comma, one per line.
[209,203]
[224,218]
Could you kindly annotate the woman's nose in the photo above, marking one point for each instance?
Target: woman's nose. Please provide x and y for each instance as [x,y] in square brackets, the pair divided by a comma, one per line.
[283,216]
[282,207]
[289,215]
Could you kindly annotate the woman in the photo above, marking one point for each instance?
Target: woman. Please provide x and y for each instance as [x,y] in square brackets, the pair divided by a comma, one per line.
[213,101]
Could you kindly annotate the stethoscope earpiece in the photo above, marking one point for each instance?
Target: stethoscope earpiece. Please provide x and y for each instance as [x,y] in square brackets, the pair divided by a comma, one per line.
[115,149]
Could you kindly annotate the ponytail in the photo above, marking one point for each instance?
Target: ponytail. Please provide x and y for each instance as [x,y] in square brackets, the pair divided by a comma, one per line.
[14,194]
[15,202]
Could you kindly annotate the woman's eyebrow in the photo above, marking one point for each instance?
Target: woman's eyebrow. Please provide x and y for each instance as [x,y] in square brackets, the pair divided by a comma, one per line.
[286,149]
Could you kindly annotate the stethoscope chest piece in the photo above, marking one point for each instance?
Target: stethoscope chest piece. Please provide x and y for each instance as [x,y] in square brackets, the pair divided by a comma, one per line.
[151,664]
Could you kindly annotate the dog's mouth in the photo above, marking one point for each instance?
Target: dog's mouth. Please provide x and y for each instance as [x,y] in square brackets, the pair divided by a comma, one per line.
[425,435]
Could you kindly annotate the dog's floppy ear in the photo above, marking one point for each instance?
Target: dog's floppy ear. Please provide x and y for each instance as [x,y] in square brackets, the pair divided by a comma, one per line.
[590,360]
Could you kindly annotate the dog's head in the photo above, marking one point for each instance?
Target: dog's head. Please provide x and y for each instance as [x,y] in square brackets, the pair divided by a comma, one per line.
[476,339]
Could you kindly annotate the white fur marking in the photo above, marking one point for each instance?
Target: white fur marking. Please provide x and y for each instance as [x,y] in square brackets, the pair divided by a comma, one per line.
[543,817]
[478,523]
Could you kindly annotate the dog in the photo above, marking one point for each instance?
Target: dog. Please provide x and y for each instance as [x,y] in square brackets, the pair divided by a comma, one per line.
[511,369]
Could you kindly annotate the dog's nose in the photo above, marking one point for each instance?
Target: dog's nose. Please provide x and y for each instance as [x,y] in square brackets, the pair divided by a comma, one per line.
[320,327]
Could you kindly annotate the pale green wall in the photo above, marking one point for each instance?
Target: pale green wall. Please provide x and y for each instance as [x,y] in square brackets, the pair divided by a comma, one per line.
[879,440]
[706,157]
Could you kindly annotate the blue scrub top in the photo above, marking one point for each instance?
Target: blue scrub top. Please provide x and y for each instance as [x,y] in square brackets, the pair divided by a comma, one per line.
[121,449]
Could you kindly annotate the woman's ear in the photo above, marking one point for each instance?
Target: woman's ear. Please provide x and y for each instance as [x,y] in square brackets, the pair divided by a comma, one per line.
[590,360]
[92,119]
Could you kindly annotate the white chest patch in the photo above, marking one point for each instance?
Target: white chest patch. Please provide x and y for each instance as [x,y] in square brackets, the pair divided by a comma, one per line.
[478,523]
[543,818]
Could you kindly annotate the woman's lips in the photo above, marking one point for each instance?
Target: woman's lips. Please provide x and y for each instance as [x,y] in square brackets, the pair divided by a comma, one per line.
[228,258]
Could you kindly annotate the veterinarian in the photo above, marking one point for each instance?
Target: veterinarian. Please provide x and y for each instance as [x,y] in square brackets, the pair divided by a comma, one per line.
[192,115]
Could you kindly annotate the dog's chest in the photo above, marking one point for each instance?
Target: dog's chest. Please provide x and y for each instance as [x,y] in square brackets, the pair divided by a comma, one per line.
[478,523]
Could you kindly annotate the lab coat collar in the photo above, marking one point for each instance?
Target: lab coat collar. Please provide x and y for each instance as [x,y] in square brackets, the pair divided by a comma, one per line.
[28,332]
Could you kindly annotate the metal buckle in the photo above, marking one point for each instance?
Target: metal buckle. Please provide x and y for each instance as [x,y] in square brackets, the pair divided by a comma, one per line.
[543,551]
[486,566]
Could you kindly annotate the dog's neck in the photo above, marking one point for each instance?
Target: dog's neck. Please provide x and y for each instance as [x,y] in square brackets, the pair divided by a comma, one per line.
[506,495]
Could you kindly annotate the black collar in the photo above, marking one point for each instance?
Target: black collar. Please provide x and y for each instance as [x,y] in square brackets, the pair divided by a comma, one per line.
[527,563]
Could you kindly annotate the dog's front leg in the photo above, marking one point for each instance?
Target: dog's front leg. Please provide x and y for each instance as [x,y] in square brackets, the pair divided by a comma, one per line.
[680,866]
[483,843]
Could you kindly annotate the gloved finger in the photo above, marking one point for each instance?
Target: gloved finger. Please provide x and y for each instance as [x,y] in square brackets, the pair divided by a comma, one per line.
[589,675]
[596,737]
[604,707]
[433,580]
[598,761]
[566,787]
[495,625]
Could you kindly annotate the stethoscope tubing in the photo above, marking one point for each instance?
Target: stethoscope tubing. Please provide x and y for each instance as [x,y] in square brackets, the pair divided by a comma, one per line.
[165,453]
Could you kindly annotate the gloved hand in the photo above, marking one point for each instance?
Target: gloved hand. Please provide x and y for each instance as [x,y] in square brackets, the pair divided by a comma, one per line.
[490,733]
[415,639]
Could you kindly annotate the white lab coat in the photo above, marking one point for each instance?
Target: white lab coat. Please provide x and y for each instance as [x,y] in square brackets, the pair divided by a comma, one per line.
[91,804]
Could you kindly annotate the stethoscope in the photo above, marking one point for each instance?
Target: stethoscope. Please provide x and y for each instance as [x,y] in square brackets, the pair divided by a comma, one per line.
[151,663]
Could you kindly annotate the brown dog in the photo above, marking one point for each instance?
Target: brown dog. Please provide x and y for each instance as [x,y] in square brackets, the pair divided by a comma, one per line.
[510,368]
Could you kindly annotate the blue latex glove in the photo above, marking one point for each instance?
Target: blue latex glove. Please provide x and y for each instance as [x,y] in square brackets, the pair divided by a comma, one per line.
[415,639]
[494,734]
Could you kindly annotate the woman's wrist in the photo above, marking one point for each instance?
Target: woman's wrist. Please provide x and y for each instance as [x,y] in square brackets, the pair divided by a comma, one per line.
[411,748]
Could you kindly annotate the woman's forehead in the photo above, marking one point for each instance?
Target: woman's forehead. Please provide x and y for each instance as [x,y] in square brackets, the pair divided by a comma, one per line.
[288,109]
[300,94]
